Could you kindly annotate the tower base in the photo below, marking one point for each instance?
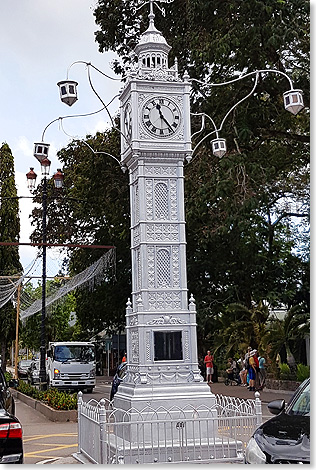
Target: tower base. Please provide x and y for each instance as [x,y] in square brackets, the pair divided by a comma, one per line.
[161,412]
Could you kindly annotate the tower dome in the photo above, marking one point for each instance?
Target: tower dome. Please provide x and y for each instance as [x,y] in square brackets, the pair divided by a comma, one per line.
[152,49]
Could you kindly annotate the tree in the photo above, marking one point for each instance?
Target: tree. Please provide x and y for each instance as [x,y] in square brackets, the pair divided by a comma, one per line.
[9,232]
[57,321]
[287,336]
[238,327]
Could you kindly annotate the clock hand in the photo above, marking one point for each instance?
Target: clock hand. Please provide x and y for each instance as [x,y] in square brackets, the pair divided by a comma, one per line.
[163,117]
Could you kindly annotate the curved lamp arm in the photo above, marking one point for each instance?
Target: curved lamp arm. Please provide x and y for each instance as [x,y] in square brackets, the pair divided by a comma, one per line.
[294,106]
[244,76]
[123,167]
[69,116]
[88,64]
[105,106]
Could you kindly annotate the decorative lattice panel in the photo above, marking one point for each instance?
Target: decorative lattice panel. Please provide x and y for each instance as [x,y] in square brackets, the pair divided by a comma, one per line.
[163,269]
[161,201]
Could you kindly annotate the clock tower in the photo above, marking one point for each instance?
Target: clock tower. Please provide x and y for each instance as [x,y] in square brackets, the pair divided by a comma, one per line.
[162,368]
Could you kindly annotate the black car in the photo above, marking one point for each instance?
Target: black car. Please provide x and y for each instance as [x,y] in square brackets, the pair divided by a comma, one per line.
[23,368]
[11,446]
[117,379]
[285,438]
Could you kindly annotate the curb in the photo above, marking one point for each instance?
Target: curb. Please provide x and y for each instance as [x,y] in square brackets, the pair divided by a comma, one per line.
[61,416]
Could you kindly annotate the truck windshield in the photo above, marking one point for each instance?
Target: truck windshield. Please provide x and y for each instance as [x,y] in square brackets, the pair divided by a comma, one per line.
[78,353]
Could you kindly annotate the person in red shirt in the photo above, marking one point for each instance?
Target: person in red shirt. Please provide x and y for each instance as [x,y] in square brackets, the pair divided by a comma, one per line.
[208,361]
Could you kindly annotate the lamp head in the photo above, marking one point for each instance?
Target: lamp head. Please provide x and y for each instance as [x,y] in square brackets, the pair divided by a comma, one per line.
[58,179]
[31,179]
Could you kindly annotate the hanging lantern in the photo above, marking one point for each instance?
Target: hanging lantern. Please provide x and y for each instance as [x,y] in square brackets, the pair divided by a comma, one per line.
[41,151]
[219,147]
[31,178]
[58,179]
[293,101]
[45,166]
[68,91]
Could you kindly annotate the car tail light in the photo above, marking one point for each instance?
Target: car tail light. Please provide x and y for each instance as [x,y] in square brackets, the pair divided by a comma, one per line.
[11,431]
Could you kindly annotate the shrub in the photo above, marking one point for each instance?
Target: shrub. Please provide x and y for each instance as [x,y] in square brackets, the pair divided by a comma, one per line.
[56,399]
[8,376]
[285,372]
[302,373]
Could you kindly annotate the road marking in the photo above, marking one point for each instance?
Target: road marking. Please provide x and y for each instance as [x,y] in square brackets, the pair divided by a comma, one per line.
[41,436]
[36,453]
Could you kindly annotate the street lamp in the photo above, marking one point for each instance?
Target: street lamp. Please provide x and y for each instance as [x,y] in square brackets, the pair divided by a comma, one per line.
[41,152]
[293,102]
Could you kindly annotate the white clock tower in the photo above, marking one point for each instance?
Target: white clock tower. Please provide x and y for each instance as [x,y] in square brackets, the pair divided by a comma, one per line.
[160,318]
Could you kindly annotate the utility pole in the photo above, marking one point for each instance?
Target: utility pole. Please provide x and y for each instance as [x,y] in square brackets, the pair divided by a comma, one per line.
[16,355]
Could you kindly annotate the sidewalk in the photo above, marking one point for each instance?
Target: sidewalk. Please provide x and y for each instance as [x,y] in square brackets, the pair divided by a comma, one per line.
[266,395]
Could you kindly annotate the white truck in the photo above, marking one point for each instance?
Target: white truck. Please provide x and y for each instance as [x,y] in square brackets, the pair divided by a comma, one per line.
[71,365]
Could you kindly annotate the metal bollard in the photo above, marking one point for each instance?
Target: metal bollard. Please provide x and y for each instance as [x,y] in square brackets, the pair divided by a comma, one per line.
[102,421]
[258,409]
[79,420]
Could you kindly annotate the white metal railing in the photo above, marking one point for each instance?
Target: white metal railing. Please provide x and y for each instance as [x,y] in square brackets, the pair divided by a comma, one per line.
[107,435]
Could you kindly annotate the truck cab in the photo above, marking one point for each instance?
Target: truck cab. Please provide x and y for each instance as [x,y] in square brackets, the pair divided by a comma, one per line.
[71,365]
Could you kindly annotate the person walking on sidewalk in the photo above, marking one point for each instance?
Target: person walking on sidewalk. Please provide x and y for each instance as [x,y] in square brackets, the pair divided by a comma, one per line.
[208,361]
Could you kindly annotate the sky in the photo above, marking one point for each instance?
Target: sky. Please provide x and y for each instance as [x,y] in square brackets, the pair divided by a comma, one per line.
[39,40]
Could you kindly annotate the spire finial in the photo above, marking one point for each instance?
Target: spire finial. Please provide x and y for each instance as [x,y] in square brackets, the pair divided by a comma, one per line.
[151,15]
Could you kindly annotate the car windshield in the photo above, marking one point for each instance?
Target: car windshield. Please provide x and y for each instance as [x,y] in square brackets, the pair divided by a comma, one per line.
[75,353]
[301,405]
[25,363]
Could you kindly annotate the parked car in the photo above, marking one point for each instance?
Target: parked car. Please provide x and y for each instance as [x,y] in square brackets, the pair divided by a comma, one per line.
[6,398]
[11,446]
[33,373]
[117,379]
[285,438]
[23,367]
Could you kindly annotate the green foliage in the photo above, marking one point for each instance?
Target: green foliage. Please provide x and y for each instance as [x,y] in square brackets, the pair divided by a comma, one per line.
[59,400]
[8,376]
[285,372]
[303,372]
[9,232]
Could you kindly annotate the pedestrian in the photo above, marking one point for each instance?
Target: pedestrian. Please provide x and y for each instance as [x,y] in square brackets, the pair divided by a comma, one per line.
[124,358]
[208,361]
[255,357]
[243,375]
[252,371]
[246,362]
[262,372]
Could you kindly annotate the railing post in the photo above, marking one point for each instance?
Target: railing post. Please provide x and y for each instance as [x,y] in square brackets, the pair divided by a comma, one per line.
[102,421]
[258,409]
[79,420]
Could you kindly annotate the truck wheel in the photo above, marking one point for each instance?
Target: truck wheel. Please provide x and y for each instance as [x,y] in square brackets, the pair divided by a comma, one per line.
[90,389]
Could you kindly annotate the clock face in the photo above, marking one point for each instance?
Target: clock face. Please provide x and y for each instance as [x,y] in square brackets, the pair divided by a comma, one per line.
[161,116]
[128,121]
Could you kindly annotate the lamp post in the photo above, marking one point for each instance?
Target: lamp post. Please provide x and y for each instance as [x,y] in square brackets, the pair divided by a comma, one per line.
[58,178]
